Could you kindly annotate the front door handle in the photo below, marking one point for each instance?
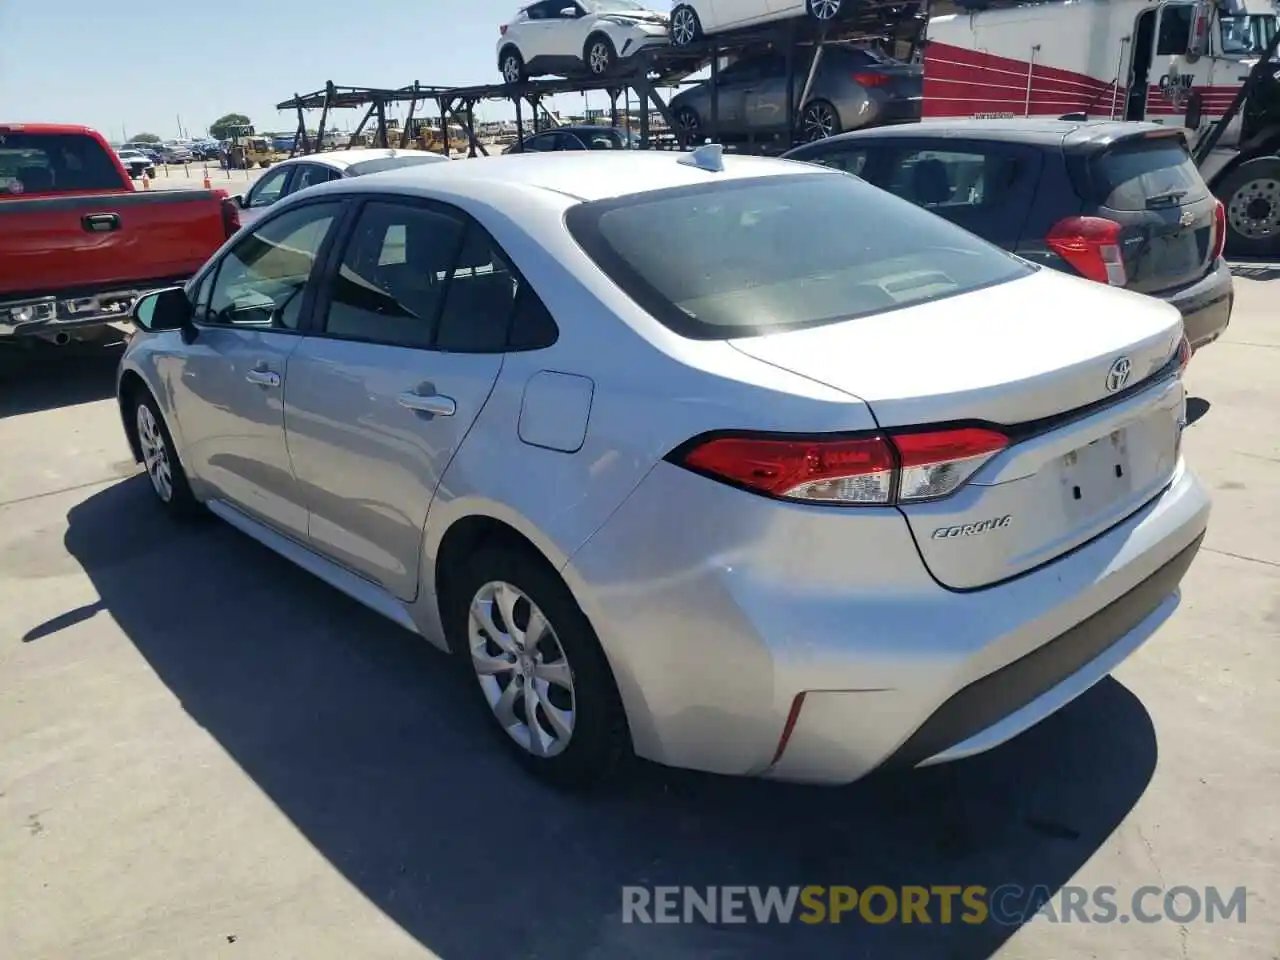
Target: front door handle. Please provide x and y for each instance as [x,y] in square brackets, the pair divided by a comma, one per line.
[263,378]
[100,222]
[431,403]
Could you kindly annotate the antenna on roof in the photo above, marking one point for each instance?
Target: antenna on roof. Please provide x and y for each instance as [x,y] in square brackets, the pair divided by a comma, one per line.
[709,157]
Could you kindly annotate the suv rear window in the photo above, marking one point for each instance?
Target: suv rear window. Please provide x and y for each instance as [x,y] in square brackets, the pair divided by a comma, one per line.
[1135,175]
[54,163]
[749,257]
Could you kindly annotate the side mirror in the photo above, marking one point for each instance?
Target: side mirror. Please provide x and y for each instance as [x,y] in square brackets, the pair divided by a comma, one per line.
[167,309]
[242,201]
[570,12]
[1198,41]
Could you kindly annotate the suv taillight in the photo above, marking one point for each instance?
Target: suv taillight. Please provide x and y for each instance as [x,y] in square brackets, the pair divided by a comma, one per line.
[1092,246]
[1184,353]
[877,470]
[1219,230]
[870,79]
[230,217]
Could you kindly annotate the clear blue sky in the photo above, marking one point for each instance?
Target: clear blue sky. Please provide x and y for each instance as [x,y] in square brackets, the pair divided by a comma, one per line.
[140,66]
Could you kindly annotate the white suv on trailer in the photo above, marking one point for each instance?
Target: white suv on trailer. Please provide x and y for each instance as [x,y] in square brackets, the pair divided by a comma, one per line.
[575,37]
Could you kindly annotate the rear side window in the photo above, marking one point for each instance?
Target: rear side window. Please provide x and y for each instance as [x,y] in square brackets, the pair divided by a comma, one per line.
[1148,173]
[54,163]
[747,257]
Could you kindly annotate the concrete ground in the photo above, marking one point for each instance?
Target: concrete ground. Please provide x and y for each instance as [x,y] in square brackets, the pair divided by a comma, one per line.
[205,753]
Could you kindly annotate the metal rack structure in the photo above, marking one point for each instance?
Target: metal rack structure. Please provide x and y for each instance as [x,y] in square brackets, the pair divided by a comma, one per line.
[892,24]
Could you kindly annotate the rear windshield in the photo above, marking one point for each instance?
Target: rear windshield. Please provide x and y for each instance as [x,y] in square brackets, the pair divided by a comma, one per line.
[1146,173]
[391,163]
[748,257]
[54,163]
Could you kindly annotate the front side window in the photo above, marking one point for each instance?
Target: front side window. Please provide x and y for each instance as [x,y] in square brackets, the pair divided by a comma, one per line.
[270,188]
[308,175]
[262,279]
[749,257]
[1175,29]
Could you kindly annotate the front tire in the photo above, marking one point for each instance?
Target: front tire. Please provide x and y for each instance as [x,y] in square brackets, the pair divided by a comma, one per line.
[684,27]
[1251,196]
[690,124]
[599,55]
[160,459]
[535,661]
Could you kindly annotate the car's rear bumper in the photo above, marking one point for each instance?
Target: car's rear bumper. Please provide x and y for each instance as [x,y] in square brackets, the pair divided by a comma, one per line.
[1206,305]
[733,618]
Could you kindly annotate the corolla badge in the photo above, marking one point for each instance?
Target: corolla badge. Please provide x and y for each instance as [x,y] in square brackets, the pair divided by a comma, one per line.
[1119,373]
[969,529]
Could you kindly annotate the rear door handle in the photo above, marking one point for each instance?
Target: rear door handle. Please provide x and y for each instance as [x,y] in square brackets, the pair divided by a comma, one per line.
[263,378]
[100,222]
[431,403]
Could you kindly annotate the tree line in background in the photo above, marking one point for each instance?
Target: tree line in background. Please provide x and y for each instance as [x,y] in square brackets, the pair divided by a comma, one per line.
[220,129]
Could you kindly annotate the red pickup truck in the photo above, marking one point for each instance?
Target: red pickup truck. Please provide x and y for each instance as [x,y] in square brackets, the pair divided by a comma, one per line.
[78,244]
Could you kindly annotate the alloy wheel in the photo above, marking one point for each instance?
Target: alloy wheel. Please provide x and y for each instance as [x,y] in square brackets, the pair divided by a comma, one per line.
[522,669]
[687,121]
[818,123]
[684,26]
[824,9]
[598,59]
[1254,209]
[155,453]
[510,69]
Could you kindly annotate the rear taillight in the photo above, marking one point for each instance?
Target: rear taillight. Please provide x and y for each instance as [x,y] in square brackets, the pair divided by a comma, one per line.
[230,217]
[875,470]
[870,79]
[503,30]
[1219,229]
[1184,353]
[1092,246]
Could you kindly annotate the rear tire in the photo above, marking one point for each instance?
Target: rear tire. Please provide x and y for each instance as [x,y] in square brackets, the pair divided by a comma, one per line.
[690,124]
[818,121]
[684,28]
[548,690]
[825,11]
[512,67]
[1251,195]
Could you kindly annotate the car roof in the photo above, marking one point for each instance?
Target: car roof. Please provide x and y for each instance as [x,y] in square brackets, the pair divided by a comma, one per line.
[1028,130]
[581,175]
[342,159]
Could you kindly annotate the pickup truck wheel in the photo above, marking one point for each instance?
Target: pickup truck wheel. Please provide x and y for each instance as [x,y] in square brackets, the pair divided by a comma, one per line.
[1251,195]
[160,458]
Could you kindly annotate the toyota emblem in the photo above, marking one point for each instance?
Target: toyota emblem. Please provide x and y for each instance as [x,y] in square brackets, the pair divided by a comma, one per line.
[1118,375]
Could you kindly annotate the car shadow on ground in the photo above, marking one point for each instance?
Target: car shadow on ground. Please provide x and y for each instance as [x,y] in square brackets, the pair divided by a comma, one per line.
[40,376]
[372,744]
[1256,271]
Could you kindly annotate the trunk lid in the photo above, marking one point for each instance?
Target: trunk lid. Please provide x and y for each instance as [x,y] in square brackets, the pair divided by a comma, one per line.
[1039,357]
[1150,186]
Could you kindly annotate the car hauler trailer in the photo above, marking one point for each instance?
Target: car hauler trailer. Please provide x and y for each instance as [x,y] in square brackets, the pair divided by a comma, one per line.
[1209,67]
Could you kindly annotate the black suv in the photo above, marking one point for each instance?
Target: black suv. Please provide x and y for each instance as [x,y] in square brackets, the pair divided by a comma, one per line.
[1117,202]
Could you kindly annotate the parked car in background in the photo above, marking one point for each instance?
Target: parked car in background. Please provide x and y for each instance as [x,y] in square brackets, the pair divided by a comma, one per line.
[854,87]
[653,447]
[136,164]
[290,176]
[175,154]
[576,37]
[581,137]
[1121,203]
[691,20]
[78,244]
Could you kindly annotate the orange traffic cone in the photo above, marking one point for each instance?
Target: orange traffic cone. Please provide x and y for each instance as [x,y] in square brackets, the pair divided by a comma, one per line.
[208,184]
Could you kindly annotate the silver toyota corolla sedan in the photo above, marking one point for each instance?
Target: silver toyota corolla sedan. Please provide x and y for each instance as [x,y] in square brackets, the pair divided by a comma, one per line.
[730,463]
